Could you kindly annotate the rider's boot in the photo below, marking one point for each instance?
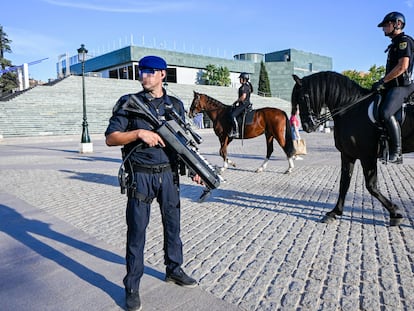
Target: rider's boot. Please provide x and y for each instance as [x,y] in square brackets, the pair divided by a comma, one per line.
[235,130]
[394,132]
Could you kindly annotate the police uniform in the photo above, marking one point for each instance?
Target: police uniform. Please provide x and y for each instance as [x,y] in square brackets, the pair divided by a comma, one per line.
[243,89]
[155,176]
[401,87]
[239,107]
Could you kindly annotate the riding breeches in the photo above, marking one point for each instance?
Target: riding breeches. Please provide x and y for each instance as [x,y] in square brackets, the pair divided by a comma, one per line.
[394,99]
[239,109]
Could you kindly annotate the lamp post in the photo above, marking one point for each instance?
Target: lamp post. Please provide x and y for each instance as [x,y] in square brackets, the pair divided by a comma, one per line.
[86,145]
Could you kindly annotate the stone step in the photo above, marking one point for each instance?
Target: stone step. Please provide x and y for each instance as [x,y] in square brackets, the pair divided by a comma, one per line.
[58,109]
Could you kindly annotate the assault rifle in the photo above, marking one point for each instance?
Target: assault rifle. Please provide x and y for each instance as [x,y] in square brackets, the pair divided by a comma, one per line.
[178,136]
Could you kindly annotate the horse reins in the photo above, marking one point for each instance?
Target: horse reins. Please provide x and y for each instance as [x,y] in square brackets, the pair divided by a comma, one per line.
[330,114]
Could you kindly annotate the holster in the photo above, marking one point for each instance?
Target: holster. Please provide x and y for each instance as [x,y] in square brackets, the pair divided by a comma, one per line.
[133,193]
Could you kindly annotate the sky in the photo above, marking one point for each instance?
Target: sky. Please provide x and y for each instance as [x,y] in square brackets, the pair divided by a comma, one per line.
[344,30]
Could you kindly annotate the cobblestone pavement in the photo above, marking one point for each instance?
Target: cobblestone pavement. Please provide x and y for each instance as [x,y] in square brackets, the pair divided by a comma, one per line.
[257,241]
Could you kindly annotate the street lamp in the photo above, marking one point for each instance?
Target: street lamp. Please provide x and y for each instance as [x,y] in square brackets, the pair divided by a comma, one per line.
[86,145]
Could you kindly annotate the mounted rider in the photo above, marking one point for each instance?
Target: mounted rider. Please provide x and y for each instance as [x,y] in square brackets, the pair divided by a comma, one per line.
[243,102]
[397,84]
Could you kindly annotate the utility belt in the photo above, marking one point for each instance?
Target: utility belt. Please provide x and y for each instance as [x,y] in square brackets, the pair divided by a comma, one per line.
[151,169]
[407,82]
[399,81]
[146,169]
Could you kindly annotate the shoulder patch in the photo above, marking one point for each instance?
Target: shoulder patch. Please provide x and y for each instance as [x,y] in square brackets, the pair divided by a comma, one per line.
[403,45]
[121,101]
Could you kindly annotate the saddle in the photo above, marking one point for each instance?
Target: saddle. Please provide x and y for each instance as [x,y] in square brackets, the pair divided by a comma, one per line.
[243,119]
[373,113]
[246,117]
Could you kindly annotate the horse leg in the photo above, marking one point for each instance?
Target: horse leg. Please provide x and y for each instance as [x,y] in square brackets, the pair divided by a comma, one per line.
[262,167]
[283,143]
[230,162]
[291,166]
[223,153]
[347,168]
[371,182]
[269,151]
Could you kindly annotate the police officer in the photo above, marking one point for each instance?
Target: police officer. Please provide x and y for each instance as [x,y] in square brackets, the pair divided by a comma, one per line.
[155,176]
[243,101]
[397,82]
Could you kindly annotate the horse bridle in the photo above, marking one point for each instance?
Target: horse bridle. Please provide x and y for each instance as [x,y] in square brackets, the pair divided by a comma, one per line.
[315,121]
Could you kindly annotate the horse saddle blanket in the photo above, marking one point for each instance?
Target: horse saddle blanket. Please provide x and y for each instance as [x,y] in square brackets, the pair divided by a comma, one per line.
[373,109]
[246,118]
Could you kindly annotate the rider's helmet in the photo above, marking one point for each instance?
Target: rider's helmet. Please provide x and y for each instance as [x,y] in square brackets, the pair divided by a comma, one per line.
[244,75]
[393,17]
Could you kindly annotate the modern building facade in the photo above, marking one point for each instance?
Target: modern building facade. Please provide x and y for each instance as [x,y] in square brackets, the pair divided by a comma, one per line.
[185,68]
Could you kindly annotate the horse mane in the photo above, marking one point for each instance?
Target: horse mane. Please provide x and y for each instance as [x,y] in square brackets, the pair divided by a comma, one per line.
[214,101]
[333,88]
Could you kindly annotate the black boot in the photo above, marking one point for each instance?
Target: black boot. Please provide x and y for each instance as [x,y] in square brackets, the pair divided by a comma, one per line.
[394,132]
[133,302]
[179,277]
[235,131]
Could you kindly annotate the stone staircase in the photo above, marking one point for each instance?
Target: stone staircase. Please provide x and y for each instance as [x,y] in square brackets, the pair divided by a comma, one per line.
[57,109]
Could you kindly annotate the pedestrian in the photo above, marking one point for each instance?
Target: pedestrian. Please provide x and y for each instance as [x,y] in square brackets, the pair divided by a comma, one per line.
[294,125]
[397,84]
[155,175]
[198,120]
[243,102]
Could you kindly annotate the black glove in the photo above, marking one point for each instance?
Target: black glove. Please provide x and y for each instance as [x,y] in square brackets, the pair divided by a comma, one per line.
[378,86]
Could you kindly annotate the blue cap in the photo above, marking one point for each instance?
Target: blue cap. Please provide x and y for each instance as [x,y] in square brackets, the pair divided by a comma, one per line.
[152,62]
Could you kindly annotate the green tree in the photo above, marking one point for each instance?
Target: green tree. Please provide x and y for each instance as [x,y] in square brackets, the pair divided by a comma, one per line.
[216,75]
[264,84]
[8,80]
[366,79]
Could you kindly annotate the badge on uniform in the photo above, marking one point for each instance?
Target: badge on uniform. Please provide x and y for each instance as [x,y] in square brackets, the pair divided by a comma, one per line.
[403,45]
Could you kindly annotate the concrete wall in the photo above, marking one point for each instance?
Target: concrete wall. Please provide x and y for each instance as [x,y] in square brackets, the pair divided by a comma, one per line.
[57,109]
[300,63]
[280,65]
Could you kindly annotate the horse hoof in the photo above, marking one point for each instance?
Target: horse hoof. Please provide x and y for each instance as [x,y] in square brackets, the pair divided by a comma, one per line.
[288,171]
[327,219]
[259,170]
[396,221]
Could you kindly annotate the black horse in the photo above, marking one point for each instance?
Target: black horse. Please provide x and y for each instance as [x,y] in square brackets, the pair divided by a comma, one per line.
[357,136]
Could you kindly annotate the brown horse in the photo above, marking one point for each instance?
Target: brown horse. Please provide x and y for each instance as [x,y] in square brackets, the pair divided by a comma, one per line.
[272,122]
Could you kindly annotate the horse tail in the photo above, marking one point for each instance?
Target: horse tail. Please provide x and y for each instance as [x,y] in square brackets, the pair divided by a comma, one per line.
[288,148]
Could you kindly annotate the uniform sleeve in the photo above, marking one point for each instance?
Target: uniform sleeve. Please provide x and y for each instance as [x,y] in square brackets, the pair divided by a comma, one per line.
[119,119]
[246,89]
[405,48]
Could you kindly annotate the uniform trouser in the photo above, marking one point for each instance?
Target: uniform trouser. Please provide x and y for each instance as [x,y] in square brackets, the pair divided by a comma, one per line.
[394,99]
[161,187]
[236,111]
[239,109]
